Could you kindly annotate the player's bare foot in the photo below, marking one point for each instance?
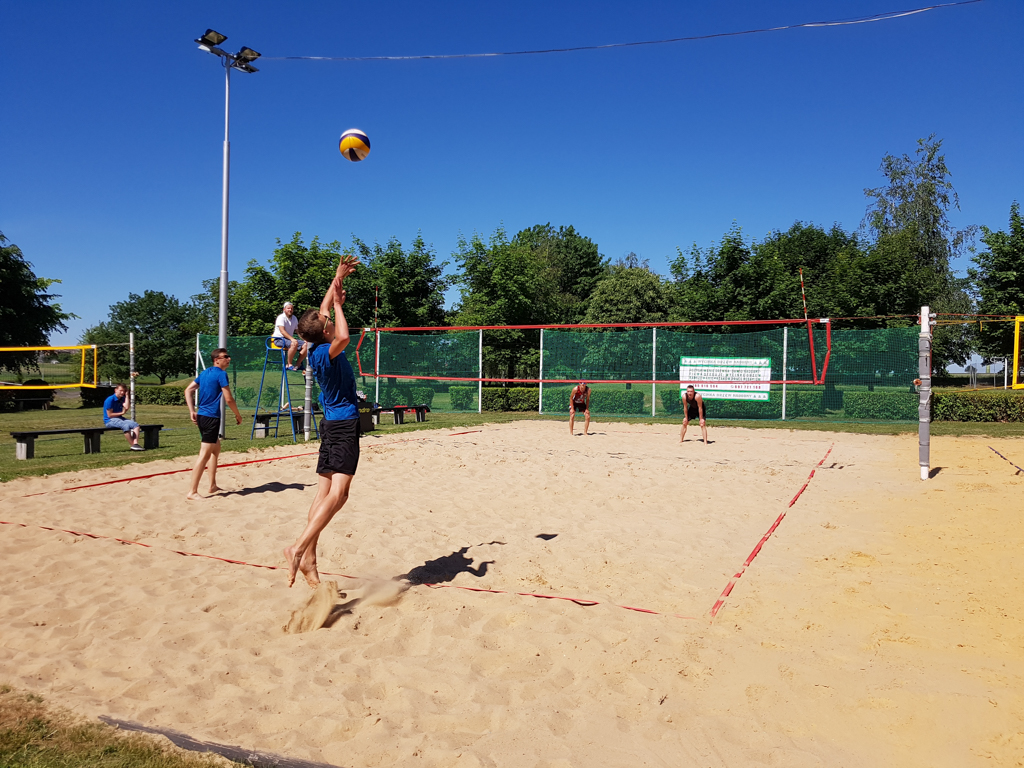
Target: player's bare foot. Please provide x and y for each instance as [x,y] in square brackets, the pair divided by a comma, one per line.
[215,489]
[293,563]
[195,497]
[308,569]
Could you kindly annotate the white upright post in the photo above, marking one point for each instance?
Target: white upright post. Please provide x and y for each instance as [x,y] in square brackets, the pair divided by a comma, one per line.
[540,394]
[376,367]
[197,355]
[924,373]
[222,319]
[480,382]
[785,367]
[307,404]
[131,369]
[1006,365]
[654,370]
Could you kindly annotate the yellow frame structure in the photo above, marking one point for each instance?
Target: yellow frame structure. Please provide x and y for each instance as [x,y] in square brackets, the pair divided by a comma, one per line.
[1017,382]
[82,383]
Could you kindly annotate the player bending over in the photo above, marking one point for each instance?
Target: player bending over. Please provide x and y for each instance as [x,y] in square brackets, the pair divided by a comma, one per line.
[579,402]
[209,387]
[339,429]
[694,405]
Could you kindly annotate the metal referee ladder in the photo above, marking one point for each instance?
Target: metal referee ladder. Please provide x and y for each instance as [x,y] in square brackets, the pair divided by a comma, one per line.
[284,404]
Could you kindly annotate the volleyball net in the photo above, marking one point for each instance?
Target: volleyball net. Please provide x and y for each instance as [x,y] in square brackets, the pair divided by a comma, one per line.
[743,369]
[46,368]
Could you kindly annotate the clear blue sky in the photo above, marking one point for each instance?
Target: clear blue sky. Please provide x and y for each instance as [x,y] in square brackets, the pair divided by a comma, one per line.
[112,125]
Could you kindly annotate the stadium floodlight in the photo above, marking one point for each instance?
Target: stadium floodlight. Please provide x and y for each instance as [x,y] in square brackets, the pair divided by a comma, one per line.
[209,41]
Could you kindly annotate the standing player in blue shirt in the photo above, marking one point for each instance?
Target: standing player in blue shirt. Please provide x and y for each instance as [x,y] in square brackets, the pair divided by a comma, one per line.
[211,385]
[339,429]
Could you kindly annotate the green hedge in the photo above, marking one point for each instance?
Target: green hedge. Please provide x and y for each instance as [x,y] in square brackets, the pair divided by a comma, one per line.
[798,403]
[625,401]
[93,397]
[999,405]
[888,406]
[461,398]
[159,396]
[509,398]
[400,394]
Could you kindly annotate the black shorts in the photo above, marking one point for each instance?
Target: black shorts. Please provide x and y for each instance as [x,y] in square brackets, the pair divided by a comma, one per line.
[339,446]
[579,407]
[209,428]
[693,413]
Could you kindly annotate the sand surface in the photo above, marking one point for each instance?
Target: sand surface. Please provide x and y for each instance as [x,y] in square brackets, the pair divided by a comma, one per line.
[880,625]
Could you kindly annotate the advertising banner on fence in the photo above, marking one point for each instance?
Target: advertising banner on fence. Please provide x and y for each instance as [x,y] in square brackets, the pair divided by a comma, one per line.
[748,377]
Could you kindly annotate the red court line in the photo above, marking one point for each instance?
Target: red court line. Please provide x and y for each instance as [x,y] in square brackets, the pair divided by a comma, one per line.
[223,466]
[750,558]
[578,600]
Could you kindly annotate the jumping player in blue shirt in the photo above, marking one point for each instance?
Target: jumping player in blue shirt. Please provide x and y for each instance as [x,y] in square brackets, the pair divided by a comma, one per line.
[339,429]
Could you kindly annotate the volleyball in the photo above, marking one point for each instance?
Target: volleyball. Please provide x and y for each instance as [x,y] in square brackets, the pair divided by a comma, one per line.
[354,145]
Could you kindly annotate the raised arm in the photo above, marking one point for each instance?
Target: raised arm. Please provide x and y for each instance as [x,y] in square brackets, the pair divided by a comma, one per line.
[341,336]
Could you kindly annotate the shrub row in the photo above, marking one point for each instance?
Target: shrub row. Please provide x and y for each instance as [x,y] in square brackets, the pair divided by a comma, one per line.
[798,403]
[159,396]
[626,401]
[510,398]
[461,398]
[889,406]
[399,394]
[999,405]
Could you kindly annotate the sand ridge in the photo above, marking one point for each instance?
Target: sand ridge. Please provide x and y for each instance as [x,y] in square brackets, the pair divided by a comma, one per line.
[825,652]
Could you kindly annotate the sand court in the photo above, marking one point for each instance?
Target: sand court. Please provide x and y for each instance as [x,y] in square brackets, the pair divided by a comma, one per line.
[877,626]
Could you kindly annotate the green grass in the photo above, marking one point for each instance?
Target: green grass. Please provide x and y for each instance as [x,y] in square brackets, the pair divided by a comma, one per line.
[34,735]
[180,437]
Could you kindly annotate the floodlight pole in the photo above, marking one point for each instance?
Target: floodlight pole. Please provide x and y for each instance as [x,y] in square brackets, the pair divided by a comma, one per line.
[222,321]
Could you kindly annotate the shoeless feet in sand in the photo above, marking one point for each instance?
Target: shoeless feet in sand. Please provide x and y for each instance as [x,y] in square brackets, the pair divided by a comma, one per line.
[195,497]
[305,565]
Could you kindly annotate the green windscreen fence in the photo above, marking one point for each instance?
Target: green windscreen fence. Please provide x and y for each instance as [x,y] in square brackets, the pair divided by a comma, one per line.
[869,378]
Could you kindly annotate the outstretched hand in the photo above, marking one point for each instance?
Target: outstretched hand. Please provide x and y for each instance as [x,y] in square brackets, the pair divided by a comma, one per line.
[346,266]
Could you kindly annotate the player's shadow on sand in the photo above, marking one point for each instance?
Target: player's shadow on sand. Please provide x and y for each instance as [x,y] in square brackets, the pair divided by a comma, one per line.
[272,487]
[447,568]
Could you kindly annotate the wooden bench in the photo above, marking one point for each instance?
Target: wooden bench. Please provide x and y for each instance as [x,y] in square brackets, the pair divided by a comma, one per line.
[399,412]
[26,439]
[262,425]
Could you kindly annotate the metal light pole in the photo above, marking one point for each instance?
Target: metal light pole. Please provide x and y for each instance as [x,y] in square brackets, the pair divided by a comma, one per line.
[242,60]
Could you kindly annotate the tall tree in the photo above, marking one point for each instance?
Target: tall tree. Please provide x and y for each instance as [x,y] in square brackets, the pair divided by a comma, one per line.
[411,283]
[28,314]
[570,262]
[164,335]
[913,208]
[999,282]
[629,295]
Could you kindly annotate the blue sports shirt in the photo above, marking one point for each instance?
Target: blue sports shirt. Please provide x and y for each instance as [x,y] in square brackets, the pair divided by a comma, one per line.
[211,382]
[337,383]
[112,403]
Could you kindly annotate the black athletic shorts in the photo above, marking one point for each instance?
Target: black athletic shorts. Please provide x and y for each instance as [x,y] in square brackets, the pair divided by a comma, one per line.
[339,446]
[209,428]
[579,407]
[693,412]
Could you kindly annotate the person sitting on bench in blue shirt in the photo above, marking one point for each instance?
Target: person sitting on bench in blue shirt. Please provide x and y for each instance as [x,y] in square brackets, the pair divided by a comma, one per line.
[114,410]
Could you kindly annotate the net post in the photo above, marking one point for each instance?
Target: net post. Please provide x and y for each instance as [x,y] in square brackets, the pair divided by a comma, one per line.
[480,372]
[540,375]
[95,366]
[654,370]
[81,378]
[785,366]
[307,403]
[197,355]
[131,369]
[376,367]
[924,373]
[1015,382]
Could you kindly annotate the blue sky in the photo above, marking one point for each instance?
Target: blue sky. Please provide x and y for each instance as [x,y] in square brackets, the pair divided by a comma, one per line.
[113,121]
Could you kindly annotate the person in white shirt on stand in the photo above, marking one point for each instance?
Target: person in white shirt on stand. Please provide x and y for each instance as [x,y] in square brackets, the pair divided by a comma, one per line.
[284,335]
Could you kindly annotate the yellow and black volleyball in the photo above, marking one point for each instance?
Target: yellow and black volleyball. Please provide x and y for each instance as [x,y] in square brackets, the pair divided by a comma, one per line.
[354,145]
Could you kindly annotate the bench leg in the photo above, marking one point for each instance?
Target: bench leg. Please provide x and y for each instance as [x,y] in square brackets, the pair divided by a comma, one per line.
[421,415]
[399,417]
[26,448]
[150,439]
[92,442]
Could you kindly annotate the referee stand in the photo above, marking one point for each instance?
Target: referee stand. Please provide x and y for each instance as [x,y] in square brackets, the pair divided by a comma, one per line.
[263,423]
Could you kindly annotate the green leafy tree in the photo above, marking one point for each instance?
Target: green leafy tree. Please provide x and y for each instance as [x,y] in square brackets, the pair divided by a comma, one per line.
[501,284]
[28,314]
[911,212]
[164,335]
[571,263]
[999,282]
[411,283]
[629,295]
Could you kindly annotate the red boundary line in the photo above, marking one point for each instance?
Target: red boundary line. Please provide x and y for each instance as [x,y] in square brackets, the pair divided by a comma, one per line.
[578,600]
[750,558]
[234,464]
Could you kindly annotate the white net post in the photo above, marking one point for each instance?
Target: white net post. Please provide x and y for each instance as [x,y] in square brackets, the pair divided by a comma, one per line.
[924,373]
[480,381]
[540,394]
[654,370]
[307,403]
[785,367]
